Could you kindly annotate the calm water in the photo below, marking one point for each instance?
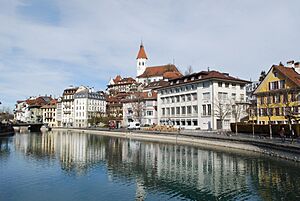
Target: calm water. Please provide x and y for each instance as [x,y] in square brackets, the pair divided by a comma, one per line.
[72,166]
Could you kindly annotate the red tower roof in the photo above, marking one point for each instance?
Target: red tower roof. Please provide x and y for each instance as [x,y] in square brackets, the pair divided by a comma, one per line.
[142,53]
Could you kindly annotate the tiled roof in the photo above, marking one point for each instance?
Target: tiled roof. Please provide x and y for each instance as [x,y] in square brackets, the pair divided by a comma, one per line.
[39,101]
[156,84]
[290,73]
[209,75]
[155,71]
[204,75]
[142,53]
[118,80]
[140,96]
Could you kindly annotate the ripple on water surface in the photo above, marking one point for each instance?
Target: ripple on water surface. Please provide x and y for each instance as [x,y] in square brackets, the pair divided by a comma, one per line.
[75,166]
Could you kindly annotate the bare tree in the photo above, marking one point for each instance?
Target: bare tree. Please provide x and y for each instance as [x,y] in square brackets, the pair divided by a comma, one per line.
[222,109]
[290,96]
[268,111]
[138,106]
[251,110]
[189,70]
[237,111]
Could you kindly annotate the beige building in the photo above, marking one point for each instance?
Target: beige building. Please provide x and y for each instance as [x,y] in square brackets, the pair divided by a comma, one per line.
[49,113]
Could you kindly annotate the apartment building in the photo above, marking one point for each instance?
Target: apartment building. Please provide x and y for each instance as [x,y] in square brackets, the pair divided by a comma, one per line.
[49,113]
[278,99]
[68,106]
[205,100]
[88,104]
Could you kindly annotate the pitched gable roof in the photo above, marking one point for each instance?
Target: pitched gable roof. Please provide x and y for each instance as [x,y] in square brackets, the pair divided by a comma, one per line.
[155,71]
[290,73]
[287,72]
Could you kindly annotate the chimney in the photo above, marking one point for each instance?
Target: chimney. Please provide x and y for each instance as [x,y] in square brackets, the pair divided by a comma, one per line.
[290,63]
[297,67]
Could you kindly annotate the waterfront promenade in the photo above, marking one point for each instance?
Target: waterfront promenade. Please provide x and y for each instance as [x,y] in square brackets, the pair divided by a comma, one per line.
[259,143]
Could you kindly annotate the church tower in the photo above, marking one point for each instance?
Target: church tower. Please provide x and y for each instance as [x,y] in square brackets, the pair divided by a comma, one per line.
[141,60]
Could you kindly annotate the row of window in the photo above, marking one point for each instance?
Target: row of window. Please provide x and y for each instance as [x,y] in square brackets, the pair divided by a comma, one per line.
[233,85]
[67,97]
[91,102]
[80,114]
[180,122]
[185,88]
[277,85]
[278,98]
[224,96]
[179,110]
[202,85]
[180,98]
[278,111]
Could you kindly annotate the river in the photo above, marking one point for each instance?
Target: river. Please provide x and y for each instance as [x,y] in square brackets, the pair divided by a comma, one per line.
[64,165]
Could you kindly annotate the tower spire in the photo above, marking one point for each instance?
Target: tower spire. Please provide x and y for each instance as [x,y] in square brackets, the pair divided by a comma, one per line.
[142,53]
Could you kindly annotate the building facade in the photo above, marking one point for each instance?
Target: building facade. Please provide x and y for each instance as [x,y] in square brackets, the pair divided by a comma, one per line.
[88,104]
[277,95]
[49,113]
[141,107]
[68,113]
[205,100]
[119,84]
[30,110]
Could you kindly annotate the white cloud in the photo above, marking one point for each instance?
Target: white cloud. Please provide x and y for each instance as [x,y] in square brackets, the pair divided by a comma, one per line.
[93,40]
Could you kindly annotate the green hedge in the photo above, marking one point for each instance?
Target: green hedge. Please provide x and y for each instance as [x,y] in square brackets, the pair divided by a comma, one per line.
[264,129]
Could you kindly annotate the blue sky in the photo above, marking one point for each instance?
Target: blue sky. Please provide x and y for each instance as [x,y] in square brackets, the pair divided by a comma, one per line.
[47,45]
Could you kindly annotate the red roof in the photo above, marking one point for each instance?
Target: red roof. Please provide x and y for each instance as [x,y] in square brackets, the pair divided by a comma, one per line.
[142,53]
[169,70]
[39,101]
[290,73]
[117,79]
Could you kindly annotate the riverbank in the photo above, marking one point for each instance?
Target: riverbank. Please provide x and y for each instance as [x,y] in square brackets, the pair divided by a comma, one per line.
[274,147]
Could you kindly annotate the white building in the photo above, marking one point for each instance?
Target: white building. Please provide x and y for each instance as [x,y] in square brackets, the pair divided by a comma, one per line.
[21,112]
[205,100]
[68,106]
[141,107]
[88,104]
[59,112]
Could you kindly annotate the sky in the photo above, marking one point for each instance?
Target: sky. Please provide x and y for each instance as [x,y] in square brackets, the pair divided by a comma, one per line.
[48,45]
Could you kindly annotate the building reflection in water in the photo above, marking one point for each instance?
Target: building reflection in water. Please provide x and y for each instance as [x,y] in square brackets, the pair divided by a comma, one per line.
[187,171]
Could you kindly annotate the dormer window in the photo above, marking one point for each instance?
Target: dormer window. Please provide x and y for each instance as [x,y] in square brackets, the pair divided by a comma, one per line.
[185,80]
[177,82]
[192,78]
[275,74]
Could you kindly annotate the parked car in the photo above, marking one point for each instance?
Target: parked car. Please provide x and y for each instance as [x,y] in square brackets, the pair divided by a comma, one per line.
[111,125]
[134,125]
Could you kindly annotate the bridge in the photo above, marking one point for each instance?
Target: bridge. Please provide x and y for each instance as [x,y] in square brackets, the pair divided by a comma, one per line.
[32,127]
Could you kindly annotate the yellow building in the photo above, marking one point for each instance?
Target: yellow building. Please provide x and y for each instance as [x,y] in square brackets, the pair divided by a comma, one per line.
[278,94]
